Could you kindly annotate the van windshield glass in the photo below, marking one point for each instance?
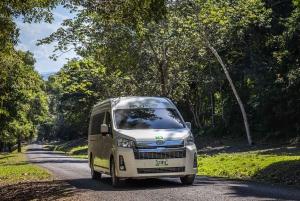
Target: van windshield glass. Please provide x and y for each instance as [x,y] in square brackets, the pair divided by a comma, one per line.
[148,118]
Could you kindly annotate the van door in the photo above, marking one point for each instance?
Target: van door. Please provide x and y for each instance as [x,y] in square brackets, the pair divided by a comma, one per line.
[97,140]
[108,141]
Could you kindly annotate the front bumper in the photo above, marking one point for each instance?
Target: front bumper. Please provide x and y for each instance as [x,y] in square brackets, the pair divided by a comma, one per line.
[158,165]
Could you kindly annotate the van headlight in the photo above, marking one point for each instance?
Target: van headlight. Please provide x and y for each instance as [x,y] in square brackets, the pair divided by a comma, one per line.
[122,142]
[189,140]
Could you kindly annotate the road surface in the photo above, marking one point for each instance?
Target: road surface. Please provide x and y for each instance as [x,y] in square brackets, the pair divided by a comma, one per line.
[77,173]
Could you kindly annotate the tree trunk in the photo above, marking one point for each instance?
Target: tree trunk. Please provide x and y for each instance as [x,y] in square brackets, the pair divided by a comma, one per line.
[19,146]
[162,71]
[1,146]
[223,115]
[163,79]
[212,101]
[196,118]
[9,147]
[231,84]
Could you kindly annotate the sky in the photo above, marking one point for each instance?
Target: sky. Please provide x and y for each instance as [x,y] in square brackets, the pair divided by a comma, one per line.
[30,33]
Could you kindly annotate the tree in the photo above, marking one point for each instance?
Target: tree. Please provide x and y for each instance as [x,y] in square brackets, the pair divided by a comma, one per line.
[178,53]
[281,107]
[15,97]
[219,20]
[25,102]
[73,91]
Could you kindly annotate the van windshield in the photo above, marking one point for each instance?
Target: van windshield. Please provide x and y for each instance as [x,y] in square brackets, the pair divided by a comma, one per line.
[148,118]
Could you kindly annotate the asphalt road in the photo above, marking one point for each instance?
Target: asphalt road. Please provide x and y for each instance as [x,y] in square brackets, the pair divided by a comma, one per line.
[77,173]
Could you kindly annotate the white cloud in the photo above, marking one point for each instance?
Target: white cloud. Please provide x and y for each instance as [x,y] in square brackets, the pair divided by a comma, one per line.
[45,64]
[22,47]
[38,54]
[60,16]
[42,51]
[31,33]
[32,42]
[37,31]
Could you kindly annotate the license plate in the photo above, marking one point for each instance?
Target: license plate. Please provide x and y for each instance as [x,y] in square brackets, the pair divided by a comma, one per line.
[161,162]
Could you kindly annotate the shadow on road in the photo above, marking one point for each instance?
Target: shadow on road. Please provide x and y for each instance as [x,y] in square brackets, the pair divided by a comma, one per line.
[57,161]
[104,184]
[265,191]
[235,189]
[39,155]
[75,189]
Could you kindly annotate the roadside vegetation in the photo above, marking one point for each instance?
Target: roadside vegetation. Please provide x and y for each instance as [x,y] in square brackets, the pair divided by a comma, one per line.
[75,148]
[263,166]
[278,164]
[15,169]
[276,161]
[20,180]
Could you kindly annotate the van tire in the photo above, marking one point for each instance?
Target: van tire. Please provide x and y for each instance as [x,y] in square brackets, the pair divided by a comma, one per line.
[115,181]
[95,175]
[188,179]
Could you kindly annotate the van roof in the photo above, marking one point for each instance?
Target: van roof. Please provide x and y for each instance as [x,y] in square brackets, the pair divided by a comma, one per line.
[138,102]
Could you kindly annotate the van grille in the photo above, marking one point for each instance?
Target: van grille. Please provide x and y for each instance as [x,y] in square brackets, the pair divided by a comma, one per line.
[160,155]
[160,170]
[154,147]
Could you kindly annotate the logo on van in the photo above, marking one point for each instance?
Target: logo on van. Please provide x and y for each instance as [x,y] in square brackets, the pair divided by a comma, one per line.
[160,142]
[159,137]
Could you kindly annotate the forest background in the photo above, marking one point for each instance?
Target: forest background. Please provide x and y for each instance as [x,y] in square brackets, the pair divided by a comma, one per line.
[230,67]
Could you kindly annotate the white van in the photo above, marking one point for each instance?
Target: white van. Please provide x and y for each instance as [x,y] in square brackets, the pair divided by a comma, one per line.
[139,138]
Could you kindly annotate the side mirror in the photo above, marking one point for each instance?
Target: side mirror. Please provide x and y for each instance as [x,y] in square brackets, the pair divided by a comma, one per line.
[189,125]
[104,128]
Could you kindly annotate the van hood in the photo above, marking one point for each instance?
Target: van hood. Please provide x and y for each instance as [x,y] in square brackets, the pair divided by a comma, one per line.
[154,134]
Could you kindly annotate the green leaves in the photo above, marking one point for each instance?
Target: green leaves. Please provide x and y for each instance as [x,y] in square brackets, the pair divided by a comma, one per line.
[23,102]
[157,48]
[20,86]
[73,91]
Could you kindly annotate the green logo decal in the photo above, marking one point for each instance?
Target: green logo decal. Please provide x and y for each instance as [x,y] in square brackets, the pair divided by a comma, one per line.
[159,137]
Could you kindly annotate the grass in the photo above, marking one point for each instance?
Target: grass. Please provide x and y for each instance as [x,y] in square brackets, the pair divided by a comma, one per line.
[75,148]
[15,169]
[20,180]
[253,165]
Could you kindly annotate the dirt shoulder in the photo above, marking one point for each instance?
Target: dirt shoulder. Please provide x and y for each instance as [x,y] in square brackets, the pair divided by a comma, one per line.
[47,190]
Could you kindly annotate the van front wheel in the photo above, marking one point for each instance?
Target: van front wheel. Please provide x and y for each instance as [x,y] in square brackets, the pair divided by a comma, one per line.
[115,181]
[188,179]
[95,175]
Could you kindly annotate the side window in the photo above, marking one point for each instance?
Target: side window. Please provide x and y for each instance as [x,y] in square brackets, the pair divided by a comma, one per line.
[96,123]
[108,121]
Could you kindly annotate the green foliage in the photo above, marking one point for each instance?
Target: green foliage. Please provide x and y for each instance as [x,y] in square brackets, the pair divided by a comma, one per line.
[76,148]
[15,169]
[83,84]
[134,14]
[24,103]
[148,48]
[30,10]
[256,166]
[22,100]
